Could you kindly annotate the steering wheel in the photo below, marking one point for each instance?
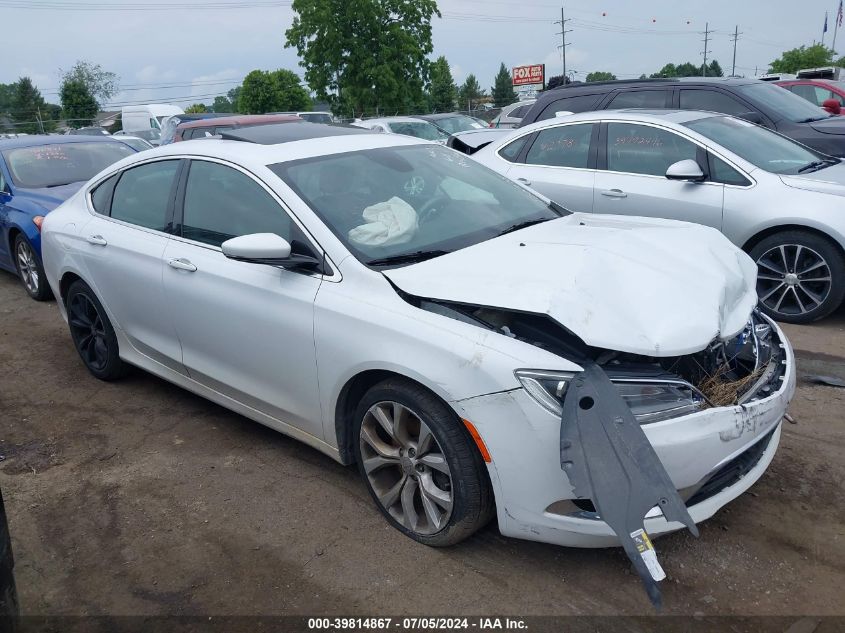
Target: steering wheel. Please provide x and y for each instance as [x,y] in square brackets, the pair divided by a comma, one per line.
[431,207]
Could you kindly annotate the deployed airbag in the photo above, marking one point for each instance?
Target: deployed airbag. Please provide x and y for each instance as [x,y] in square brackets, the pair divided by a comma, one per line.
[391,222]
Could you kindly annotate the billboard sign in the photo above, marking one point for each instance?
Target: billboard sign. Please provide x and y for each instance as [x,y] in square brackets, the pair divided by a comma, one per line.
[529,75]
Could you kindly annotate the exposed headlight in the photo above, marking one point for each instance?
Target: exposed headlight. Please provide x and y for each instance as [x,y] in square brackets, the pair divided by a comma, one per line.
[649,401]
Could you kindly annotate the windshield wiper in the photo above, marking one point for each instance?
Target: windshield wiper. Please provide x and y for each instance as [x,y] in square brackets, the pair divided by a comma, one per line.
[406,258]
[815,165]
[523,225]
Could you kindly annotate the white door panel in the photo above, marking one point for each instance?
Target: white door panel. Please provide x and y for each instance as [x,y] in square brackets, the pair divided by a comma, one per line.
[571,188]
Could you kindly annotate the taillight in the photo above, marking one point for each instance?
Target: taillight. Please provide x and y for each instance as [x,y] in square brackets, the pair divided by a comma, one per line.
[38,220]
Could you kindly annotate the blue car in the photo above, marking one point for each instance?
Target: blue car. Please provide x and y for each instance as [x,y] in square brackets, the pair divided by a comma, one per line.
[37,174]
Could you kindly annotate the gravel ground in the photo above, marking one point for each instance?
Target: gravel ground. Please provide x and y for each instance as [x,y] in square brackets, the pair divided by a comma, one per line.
[138,497]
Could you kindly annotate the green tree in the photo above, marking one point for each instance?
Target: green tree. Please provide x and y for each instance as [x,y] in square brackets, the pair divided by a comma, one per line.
[78,104]
[364,55]
[6,93]
[600,76]
[555,81]
[669,70]
[714,69]
[502,90]
[471,93]
[290,95]
[221,104]
[802,57]
[265,91]
[196,108]
[27,107]
[234,96]
[443,90]
[101,84]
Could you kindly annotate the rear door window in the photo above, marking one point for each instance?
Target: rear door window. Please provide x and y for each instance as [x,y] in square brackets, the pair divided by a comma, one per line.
[143,194]
[712,101]
[511,151]
[639,99]
[642,149]
[562,146]
[578,103]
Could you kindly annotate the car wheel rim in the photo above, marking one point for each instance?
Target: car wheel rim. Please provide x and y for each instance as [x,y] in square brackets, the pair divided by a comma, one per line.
[792,279]
[88,330]
[406,467]
[28,267]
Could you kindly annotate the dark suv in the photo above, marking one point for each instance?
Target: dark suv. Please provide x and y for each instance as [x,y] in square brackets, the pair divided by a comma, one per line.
[751,99]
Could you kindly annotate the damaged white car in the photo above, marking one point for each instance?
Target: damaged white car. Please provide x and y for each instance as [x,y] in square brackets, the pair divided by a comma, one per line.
[476,349]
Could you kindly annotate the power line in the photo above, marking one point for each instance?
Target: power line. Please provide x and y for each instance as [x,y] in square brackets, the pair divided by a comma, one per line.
[735,37]
[563,43]
[707,33]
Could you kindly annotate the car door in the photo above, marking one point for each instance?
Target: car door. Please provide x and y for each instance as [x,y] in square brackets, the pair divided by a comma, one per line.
[246,329]
[122,247]
[631,179]
[559,164]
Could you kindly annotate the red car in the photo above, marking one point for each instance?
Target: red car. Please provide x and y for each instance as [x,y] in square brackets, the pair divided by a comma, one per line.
[205,128]
[825,93]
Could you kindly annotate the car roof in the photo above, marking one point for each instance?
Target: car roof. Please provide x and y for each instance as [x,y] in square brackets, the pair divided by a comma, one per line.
[437,117]
[395,119]
[287,133]
[627,114]
[35,140]
[241,119]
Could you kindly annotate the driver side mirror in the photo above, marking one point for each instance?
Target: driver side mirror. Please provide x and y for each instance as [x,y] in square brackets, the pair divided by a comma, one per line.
[262,248]
[832,105]
[686,169]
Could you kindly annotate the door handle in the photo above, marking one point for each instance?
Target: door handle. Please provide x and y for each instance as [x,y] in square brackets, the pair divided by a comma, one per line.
[525,181]
[614,193]
[182,264]
[97,240]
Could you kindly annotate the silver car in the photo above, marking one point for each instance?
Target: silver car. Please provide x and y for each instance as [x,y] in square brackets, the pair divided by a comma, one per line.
[778,200]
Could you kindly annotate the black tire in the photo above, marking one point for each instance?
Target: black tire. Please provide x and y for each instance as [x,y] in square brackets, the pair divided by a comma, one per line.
[34,281]
[471,491]
[804,300]
[93,334]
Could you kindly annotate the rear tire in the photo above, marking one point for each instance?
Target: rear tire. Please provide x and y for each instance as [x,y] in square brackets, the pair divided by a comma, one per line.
[30,270]
[414,476]
[93,334]
[801,276]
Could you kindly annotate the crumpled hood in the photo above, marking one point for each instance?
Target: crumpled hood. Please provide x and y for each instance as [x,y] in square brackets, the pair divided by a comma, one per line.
[50,197]
[639,285]
[829,180]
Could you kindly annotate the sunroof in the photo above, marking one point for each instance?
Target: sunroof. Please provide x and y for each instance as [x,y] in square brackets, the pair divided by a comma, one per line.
[289,132]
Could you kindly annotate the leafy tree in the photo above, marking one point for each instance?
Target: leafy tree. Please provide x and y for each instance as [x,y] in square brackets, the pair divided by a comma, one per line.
[714,69]
[502,90]
[802,57]
[234,96]
[364,55]
[27,107]
[78,104]
[471,93]
[688,69]
[101,84]
[600,76]
[290,95]
[265,91]
[555,81]
[669,70]
[196,108]
[6,93]
[221,104]
[443,90]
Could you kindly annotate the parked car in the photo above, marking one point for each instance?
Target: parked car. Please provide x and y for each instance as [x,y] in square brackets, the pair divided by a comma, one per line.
[311,116]
[756,101]
[207,128]
[8,595]
[169,124]
[89,131]
[153,137]
[136,143]
[409,126]
[511,115]
[37,174]
[451,122]
[825,93]
[396,304]
[779,201]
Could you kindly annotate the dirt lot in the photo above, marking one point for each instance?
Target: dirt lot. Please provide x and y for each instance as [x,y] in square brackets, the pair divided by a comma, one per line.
[140,498]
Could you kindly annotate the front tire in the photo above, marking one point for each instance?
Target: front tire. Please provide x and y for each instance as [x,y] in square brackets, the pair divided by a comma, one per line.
[92,333]
[800,276]
[420,464]
[30,270]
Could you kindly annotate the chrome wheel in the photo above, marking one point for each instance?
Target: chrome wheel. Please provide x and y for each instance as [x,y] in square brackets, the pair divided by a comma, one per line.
[28,267]
[406,468]
[88,331]
[792,279]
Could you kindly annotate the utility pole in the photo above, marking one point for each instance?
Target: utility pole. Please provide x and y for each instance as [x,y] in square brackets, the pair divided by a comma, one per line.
[707,32]
[735,38]
[563,43]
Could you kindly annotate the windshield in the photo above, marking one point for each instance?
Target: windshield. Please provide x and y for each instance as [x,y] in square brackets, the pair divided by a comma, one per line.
[780,102]
[767,150]
[457,123]
[61,163]
[395,201]
[418,129]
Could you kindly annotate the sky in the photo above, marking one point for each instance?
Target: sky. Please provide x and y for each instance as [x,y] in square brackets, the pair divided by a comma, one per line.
[186,51]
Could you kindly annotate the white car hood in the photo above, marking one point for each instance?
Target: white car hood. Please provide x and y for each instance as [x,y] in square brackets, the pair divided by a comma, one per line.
[830,180]
[640,285]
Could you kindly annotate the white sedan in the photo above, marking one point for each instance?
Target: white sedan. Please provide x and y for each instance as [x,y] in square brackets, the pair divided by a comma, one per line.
[404,125]
[779,201]
[395,304]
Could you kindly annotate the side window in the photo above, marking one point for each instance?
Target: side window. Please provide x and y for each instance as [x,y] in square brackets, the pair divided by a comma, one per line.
[563,146]
[519,112]
[222,203]
[581,103]
[823,94]
[712,101]
[143,193]
[510,151]
[723,173]
[101,196]
[639,99]
[642,149]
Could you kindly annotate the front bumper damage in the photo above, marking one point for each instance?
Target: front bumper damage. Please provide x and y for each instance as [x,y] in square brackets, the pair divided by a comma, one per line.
[711,457]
